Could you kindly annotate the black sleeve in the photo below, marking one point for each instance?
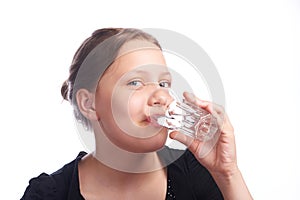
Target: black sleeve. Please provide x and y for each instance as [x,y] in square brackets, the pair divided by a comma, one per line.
[202,183]
[63,184]
[193,181]
[40,188]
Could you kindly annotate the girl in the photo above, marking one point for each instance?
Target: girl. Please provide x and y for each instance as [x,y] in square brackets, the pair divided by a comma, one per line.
[117,80]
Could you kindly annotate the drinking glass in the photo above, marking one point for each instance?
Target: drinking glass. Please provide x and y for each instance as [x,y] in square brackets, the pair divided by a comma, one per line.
[191,120]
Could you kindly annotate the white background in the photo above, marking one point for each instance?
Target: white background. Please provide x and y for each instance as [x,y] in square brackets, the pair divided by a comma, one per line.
[254,44]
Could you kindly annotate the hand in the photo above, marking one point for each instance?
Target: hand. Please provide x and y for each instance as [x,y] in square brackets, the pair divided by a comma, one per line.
[221,160]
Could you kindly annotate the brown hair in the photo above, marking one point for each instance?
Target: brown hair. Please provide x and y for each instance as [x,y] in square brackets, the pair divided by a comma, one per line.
[93,57]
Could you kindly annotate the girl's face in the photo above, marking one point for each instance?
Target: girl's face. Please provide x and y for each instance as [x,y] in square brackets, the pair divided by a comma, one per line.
[134,86]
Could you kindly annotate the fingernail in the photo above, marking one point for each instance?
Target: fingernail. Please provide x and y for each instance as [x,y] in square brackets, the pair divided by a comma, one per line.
[191,96]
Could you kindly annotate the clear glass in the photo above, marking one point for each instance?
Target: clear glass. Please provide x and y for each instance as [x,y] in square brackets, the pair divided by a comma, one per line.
[190,120]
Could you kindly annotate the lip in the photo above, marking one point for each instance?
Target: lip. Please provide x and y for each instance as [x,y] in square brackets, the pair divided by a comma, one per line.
[148,119]
[149,122]
[152,120]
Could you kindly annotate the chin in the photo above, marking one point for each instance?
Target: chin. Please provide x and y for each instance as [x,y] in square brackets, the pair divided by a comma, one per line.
[140,144]
[150,144]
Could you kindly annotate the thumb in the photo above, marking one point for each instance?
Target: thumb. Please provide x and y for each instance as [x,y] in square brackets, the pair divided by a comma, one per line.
[191,143]
[199,148]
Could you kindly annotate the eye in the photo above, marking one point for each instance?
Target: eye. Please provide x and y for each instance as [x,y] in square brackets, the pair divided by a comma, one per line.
[166,84]
[135,84]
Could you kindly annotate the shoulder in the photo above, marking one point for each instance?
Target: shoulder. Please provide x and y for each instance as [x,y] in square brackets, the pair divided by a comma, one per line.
[187,166]
[40,187]
[190,178]
[52,186]
[182,161]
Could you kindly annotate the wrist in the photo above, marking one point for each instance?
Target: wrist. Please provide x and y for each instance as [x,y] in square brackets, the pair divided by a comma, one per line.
[227,173]
[232,185]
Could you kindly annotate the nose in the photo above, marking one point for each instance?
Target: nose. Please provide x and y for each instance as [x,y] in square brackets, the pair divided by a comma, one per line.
[160,97]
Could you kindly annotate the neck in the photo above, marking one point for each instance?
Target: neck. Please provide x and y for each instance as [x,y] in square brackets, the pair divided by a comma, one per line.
[121,160]
[98,178]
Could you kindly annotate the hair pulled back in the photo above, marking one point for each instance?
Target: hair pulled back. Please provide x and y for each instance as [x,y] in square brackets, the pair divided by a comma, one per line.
[93,57]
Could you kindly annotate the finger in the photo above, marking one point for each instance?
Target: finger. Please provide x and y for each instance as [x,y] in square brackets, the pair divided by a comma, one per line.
[222,119]
[216,110]
[227,127]
[190,97]
[188,141]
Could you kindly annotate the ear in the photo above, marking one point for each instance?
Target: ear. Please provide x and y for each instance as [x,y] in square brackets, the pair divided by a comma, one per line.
[86,104]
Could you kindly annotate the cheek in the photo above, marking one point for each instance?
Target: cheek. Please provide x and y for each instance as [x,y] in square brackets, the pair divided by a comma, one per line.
[103,103]
[126,109]
[128,104]
[121,99]
[136,106]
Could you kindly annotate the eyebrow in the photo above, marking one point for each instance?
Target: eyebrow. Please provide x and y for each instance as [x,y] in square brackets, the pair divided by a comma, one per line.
[146,72]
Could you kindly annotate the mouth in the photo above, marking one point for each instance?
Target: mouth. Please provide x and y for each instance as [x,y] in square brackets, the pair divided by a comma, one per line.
[171,117]
[151,121]
[157,116]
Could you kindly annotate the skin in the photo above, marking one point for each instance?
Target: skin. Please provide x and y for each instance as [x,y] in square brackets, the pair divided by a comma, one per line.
[99,179]
[221,162]
[121,95]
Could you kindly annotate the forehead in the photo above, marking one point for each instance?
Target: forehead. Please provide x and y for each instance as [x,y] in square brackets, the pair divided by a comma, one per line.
[147,73]
[136,60]
[135,45]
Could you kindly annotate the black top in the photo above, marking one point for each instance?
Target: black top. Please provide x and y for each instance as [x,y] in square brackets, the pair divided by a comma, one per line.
[187,179]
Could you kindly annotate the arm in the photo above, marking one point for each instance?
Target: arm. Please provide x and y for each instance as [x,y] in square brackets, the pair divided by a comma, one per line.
[39,188]
[232,186]
[221,161]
